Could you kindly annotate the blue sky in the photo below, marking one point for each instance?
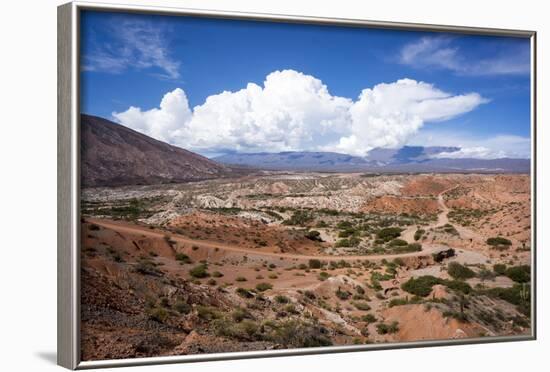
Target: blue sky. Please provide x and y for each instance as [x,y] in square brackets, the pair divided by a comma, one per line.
[472,91]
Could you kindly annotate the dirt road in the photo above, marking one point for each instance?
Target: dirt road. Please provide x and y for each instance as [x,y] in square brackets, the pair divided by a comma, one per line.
[144,231]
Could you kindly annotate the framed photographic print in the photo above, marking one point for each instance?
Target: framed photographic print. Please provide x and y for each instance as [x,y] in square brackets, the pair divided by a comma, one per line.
[235,185]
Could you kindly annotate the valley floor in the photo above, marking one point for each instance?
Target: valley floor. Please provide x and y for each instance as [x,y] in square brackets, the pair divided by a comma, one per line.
[287,260]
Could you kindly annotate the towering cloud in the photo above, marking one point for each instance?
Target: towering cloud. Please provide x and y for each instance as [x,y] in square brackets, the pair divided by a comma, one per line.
[295,111]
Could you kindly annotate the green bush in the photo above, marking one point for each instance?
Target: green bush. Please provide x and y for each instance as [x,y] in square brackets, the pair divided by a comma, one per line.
[458,285]
[182,307]
[323,275]
[389,233]
[413,247]
[369,318]
[361,305]
[499,241]
[158,314]
[459,271]
[299,218]
[397,243]
[383,328]
[199,271]
[262,287]
[342,295]
[346,243]
[298,333]
[208,312]
[519,274]
[182,257]
[244,293]
[280,299]
[499,269]
[314,264]
[421,286]
[240,314]
[418,234]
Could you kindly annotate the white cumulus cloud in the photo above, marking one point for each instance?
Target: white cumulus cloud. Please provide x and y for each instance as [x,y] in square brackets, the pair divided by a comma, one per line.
[295,111]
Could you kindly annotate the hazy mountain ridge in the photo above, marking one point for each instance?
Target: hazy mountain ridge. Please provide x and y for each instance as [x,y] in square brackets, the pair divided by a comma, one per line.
[405,159]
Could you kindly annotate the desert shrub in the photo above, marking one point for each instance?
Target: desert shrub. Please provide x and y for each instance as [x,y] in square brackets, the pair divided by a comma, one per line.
[147,267]
[280,299]
[314,235]
[182,257]
[244,293]
[389,233]
[158,314]
[94,227]
[199,271]
[291,309]
[211,282]
[519,274]
[360,290]
[361,305]
[397,243]
[485,274]
[323,275]
[450,229]
[240,279]
[369,318]
[262,287]
[346,233]
[240,314]
[399,261]
[342,225]
[398,302]
[413,247]
[321,224]
[499,269]
[418,234]
[314,263]
[217,274]
[459,271]
[421,286]
[245,330]
[298,333]
[182,307]
[208,312]
[342,294]
[310,295]
[299,218]
[499,242]
[458,285]
[346,243]
[383,328]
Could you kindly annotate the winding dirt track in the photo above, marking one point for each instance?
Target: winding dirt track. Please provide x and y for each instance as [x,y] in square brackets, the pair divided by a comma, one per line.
[408,235]
[140,230]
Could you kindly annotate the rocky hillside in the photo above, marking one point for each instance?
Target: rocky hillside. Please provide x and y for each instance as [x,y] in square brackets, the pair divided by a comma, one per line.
[113,155]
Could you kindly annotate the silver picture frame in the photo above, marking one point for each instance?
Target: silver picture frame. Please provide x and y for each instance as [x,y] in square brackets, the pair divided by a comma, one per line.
[68,181]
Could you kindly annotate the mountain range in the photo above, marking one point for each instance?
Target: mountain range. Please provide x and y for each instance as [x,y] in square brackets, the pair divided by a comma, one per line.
[114,155]
[405,159]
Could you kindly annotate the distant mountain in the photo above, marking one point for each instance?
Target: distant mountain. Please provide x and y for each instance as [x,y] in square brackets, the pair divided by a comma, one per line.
[405,159]
[407,154]
[293,160]
[114,155]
